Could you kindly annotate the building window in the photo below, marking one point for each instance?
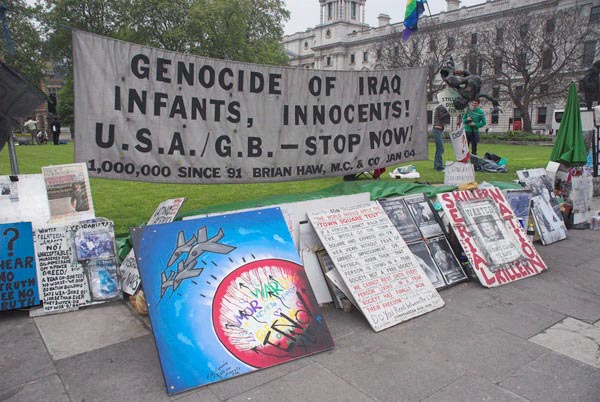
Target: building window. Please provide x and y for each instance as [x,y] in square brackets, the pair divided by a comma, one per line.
[328,33]
[353,11]
[432,45]
[329,60]
[474,38]
[522,60]
[524,30]
[473,63]
[519,92]
[595,14]
[497,65]
[329,11]
[306,45]
[352,58]
[589,52]
[516,114]
[547,59]
[499,35]
[542,111]
[495,116]
[496,93]
[378,54]
[544,88]
[396,50]
[430,117]
[450,42]
[365,57]
[550,25]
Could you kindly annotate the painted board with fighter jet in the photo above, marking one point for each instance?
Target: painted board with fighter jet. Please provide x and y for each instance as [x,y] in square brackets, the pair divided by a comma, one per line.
[194,248]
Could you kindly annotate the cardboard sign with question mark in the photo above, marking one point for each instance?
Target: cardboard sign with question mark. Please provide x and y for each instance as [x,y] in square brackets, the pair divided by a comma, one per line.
[18,280]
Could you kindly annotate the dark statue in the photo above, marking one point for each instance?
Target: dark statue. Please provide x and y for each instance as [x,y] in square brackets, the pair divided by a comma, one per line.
[466,84]
[590,85]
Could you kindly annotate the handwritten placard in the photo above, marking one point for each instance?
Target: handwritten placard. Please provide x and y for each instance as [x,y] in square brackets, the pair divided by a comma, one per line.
[374,262]
[457,173]
[77,264]
[18,285]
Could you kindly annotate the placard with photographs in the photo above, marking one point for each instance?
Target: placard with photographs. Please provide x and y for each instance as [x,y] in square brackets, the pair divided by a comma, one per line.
[540,184]
[426,263]
[69,193]
[489,231]
[446,260]
[375,263]
[520,202]
[398,212]
[77,264]
[128,270]
[550,227]
[424,215]
[450,272]
[491,236]
[340,299]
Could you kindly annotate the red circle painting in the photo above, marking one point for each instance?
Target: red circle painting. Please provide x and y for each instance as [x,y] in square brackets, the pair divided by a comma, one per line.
[265,314]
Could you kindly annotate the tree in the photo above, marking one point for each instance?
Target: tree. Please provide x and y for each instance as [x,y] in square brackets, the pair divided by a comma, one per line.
[430,46]
[242,30]
[27,59]
[534,59]
[157,23]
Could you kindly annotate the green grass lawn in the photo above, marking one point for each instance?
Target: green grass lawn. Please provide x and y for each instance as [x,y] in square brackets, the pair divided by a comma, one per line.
[130,203]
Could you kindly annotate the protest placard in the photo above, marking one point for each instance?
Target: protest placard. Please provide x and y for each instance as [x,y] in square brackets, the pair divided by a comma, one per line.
[457,173]
[491,236]
[376,265]
[239,275]
[18,280]
[69,193]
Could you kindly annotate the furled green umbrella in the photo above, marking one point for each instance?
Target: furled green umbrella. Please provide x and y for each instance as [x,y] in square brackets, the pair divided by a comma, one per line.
[569,148]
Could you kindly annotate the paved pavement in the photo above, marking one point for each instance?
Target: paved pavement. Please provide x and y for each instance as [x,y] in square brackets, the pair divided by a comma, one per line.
[536,339]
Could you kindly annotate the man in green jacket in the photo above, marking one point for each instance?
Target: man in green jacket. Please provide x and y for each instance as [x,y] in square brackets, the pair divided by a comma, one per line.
[473,119]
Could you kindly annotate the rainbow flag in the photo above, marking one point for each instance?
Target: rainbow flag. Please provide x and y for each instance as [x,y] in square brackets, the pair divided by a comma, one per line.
[414,9]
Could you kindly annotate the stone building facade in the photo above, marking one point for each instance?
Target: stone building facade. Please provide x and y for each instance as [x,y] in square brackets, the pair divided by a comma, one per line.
[343,41]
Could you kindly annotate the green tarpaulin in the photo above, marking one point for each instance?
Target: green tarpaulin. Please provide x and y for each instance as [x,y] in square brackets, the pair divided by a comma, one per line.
[569,148]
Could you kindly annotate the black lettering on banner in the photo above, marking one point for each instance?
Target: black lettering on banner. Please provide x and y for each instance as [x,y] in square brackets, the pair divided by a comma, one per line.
[143,136]
[178,108]
[225,85]
[185,73]
[176,144]
[99,135]
[140,102]
[206,82]
[161,70]
[223,146]
[140,71]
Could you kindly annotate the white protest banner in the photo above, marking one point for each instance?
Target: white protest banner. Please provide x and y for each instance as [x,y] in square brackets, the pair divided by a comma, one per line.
[152,115]
[130,275]
[375,263]
[457,173]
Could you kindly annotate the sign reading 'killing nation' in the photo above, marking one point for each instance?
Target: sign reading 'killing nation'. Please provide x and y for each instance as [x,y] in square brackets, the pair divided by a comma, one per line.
[152,115]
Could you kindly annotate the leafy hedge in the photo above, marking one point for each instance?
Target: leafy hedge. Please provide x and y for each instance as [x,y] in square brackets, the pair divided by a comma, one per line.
[514,136]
